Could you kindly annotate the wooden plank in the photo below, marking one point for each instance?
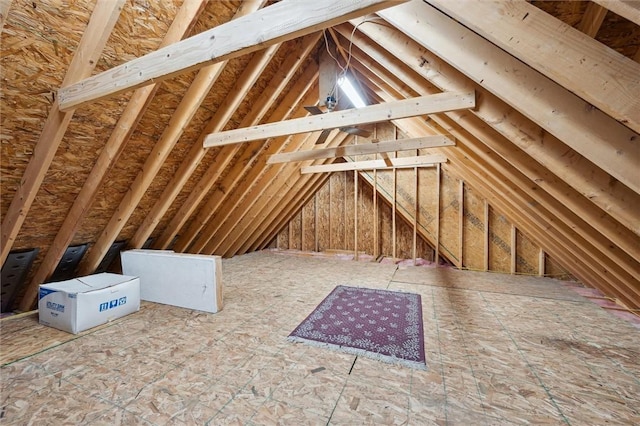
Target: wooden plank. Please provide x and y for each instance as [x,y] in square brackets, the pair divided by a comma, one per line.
[182,23]
[514,242]
[537,152]
[461,223]
[403,162]
[590,132]
[355,214]
[282,21]
[541,263]
[437,214]
[628,9]
[486,235]
[363,149]
[351,117]
[592,19]
[416,212]
[103,18]
[584,66]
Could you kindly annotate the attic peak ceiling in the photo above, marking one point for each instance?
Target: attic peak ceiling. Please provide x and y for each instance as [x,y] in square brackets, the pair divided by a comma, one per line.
[106,106]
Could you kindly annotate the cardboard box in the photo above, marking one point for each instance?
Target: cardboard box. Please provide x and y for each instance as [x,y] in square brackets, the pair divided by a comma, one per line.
[85,302]
[190,281]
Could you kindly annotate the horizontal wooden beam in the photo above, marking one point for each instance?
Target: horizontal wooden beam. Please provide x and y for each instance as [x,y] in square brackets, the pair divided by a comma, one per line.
[419,161]
[362,149]
[350,117]
[282,21]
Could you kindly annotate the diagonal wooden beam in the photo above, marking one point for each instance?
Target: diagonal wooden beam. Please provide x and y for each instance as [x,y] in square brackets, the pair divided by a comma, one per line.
[225,155]
[590,132]
[396,163]
[184,20]
[362,149]
[301,89]
[350,117]
[180,119]
[282,21]
[591,225]
[196,153]
[628,9]
[103,18]
[584,66]
[592,19]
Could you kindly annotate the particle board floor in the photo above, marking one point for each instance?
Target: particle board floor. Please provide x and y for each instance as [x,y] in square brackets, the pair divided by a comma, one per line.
[500,350]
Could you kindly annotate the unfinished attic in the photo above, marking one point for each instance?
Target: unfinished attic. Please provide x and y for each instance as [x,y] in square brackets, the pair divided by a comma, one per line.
[473,164]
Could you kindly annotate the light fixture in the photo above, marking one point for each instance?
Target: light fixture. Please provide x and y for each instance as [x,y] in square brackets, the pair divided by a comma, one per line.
[345,84]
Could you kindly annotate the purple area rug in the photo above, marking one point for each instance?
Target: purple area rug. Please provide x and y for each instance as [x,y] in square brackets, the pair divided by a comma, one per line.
[379,324]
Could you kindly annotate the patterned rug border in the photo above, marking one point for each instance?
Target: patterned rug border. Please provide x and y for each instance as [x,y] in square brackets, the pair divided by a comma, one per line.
[418,365]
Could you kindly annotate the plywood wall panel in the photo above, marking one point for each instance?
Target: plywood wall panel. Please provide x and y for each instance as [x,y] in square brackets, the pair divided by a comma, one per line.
[295,232]
[323,216]
[449,211]
[337,194]
[309,226]
[499,242]
[349,211]
[527,255]
[473,242]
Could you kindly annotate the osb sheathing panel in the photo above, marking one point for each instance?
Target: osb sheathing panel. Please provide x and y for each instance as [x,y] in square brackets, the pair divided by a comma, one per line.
[322,201]
[309,225]
[337,213]
[335,189]
[527,255]
[449,214]
[499,242]
[473,237]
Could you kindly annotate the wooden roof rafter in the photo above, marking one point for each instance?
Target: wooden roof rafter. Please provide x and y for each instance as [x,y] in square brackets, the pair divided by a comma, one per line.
[103,20]
[136,107]
[544,148]
[604,141]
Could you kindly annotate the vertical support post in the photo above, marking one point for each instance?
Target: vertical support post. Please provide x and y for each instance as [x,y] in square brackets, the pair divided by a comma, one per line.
[315,219]
[486,235]
[355,214]
[415,215]
[461,223]
[541,263]
[437,254]
[375,214]
[514,236]
[393,213]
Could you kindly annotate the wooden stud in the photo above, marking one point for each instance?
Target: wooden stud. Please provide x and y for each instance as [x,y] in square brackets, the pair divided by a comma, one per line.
[355,214]
[486,235]
[514,237]
[461,223]
[376,215]
[437,215]
[541,263]
[592,19]
[415,215]
[103,18]
[274,24]
[315,210]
